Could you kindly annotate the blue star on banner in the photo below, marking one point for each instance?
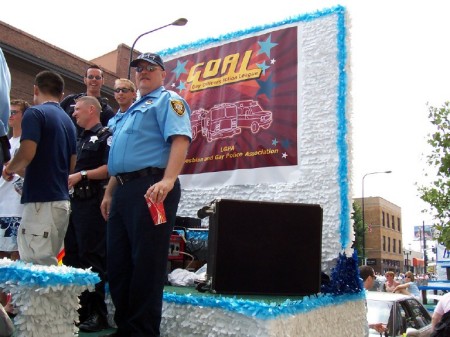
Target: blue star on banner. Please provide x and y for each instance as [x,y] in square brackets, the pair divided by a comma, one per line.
[275,142]
[286,143]
[181,86]
[266,46]
[266,87]
[263,66]
[180,68]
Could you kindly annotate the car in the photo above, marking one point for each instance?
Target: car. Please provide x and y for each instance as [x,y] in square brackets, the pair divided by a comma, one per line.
[401,315]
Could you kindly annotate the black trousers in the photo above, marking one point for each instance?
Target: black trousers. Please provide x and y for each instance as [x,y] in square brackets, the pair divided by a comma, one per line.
[85,247]
[137,257]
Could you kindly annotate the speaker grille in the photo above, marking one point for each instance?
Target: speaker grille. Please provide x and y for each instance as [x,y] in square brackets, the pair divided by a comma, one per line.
[265,248]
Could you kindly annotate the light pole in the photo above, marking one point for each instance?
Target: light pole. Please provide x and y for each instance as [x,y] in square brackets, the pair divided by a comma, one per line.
[407,252]
[364,224]
[178,22]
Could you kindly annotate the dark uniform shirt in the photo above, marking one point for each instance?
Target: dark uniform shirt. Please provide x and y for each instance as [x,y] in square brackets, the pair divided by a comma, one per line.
[93,148]
[68,104]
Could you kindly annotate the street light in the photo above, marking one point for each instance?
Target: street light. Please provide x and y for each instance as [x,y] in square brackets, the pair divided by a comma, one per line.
[178,22]
[364,224]
[407,252]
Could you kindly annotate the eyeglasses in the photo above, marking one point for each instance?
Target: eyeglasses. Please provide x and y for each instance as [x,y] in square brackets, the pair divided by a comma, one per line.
[14,112]
[91,77]
[124,90]
[148,67]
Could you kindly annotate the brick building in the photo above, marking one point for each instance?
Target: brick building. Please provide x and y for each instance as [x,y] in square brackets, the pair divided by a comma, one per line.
[383,241]
[27,55]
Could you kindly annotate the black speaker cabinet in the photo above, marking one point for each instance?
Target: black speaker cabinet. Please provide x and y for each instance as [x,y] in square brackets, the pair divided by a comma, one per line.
[264,248]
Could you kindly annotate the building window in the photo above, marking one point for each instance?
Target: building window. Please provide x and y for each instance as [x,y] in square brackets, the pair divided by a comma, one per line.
[382,219]
[384,243]
[387,218]
[398,225]
[389,244]
[399,246]
[393,222]
[394,247]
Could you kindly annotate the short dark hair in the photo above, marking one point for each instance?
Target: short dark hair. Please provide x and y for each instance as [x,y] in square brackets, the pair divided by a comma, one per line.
[50,83]
[365,272]
[94,66]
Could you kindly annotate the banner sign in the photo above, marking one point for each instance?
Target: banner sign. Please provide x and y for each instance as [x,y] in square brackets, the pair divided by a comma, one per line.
[243,97]
[419,232]
[443,256]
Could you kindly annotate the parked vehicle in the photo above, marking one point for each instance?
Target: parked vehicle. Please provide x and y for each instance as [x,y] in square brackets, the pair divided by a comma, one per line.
[400,314]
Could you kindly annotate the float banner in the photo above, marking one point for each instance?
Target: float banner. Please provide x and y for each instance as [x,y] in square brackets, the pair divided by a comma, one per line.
[250,104]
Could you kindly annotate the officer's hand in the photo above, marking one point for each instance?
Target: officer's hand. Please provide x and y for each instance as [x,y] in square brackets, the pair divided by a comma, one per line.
[74,179]
[105,206]
[158,192]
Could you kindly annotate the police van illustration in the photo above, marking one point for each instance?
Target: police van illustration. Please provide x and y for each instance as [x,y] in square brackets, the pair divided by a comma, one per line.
[225,120]
[252,116]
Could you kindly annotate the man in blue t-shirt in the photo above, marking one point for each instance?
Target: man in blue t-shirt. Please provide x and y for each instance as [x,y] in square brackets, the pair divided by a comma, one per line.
[47,153]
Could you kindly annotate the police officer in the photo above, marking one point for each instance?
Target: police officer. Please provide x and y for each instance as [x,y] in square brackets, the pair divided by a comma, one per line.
[93,79]
[85,239]
[147,154]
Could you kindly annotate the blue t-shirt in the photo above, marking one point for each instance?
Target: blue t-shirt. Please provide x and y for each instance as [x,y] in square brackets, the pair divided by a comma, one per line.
[141,136]
[46,177]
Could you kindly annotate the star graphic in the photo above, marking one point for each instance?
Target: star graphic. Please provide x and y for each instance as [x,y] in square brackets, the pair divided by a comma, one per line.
[263,66]
[284,155]
[93,139]
[272,61]
[180,68]
[266,46]
[266,87]
[181,86]
[173,85]
[286,143]
[275,142]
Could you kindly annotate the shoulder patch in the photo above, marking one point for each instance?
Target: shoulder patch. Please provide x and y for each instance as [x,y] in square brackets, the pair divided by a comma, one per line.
[178,107]
[109,141]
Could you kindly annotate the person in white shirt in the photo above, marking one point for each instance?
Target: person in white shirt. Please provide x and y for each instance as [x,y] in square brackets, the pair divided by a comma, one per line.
[442,307]
[10,207]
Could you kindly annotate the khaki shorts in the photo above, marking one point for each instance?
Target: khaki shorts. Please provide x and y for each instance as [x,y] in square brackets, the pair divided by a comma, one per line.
[42,230]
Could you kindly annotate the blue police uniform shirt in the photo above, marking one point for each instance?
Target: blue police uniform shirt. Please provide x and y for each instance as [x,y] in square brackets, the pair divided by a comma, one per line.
[141,136]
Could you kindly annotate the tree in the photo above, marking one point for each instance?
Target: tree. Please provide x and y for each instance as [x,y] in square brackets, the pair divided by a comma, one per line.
[358,229]
[437,193]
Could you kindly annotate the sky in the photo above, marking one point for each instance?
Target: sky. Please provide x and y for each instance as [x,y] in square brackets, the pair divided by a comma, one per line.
[399,64]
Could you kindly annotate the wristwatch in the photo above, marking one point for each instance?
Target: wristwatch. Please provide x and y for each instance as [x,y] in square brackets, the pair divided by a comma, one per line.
[84,175]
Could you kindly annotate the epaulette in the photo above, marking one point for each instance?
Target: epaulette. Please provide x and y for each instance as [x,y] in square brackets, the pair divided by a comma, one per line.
[102,131]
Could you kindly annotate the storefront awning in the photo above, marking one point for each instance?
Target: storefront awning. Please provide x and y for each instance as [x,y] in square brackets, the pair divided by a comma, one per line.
[418,262]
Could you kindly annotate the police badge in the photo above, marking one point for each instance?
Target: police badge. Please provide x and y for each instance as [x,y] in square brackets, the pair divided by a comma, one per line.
[178,107]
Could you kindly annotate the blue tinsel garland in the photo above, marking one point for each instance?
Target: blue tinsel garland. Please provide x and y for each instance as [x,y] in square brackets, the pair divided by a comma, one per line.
[27,274]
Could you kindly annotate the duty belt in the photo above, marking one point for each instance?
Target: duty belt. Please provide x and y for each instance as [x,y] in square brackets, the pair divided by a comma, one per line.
[123,178]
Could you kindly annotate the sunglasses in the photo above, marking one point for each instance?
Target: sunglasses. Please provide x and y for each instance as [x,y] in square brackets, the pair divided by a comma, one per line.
[91,77]
[14,112]
[148,67]
[124,90]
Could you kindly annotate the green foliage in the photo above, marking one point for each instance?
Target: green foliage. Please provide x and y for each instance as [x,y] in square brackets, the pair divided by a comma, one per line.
[358,229]
[437,193]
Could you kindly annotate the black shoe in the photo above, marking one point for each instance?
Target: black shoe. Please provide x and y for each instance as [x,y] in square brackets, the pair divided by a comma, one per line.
[94,323]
